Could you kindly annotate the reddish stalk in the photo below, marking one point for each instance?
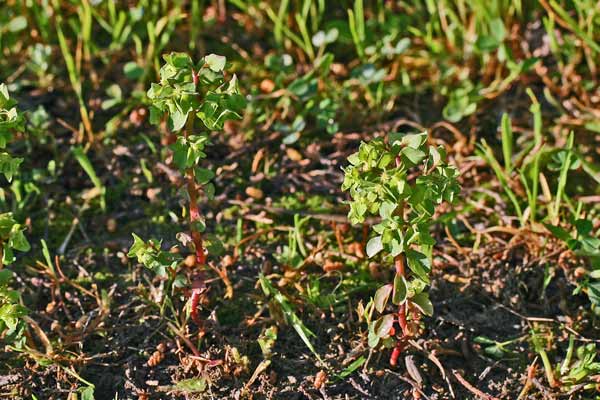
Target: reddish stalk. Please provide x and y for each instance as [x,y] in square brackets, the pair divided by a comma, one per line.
[195,217]
[401,342]
[198,285]
[195,77]
[400,346]
[400,270]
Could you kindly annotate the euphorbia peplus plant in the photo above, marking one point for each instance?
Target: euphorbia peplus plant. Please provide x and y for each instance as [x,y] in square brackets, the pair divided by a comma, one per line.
[187,93]
[401,180]
[12,238]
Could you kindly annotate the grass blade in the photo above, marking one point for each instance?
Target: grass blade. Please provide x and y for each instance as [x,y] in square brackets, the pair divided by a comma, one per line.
[289,313]
[562,180]
[87,166]
[507,142]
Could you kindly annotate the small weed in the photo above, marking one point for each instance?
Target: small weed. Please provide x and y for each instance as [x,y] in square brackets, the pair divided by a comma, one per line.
[382,181]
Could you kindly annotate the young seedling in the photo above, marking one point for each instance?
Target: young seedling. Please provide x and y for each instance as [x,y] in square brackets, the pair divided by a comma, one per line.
[401,180]
[187,93]
[11,232]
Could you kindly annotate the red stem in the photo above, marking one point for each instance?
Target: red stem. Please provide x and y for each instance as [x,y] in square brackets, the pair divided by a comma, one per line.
[400,270]
[194,301]
[401,342]
[195,217]
[198,285]
[400,345]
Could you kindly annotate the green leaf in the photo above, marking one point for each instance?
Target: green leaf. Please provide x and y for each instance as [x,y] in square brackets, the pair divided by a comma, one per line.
[177,119]
[191,385]
[8,257]
[386,210]
[215,62]
[412,156]
[9,165]
[381,297]
[17,239]
[88,167]
[400,290]
[17,24]
[87,393]
[209,191]
[414,140]
[352,367]
[584,226]
[214,245]
[419,263]
[133,71]
[374,246]
[5,277]
[6,223]
[152,257]
[204,175]
[484,340]
[267,340]
[486,43]
[383,325]
[178,60]
[372,339]
[421,300]
[497,29]
[559,232]
[180,153]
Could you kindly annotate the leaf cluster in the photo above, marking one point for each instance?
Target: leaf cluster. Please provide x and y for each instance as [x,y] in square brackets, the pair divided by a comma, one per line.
[198,89]
[378,182]
[12,327]
[585,364]
[152,256]
[11,122]
[400,180]
[11,237]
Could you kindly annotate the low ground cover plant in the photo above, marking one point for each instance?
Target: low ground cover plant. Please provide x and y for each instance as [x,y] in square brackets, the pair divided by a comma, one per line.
[12,238]
[402,180]
[190,101]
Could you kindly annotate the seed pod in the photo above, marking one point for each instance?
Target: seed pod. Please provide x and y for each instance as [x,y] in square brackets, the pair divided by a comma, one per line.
[320,379]
[267,86]
[51,307]
[190,261]
[137,116]
[111,225]
[156,358]
[332,266]
[255,193]
[293,154]
[356,248]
